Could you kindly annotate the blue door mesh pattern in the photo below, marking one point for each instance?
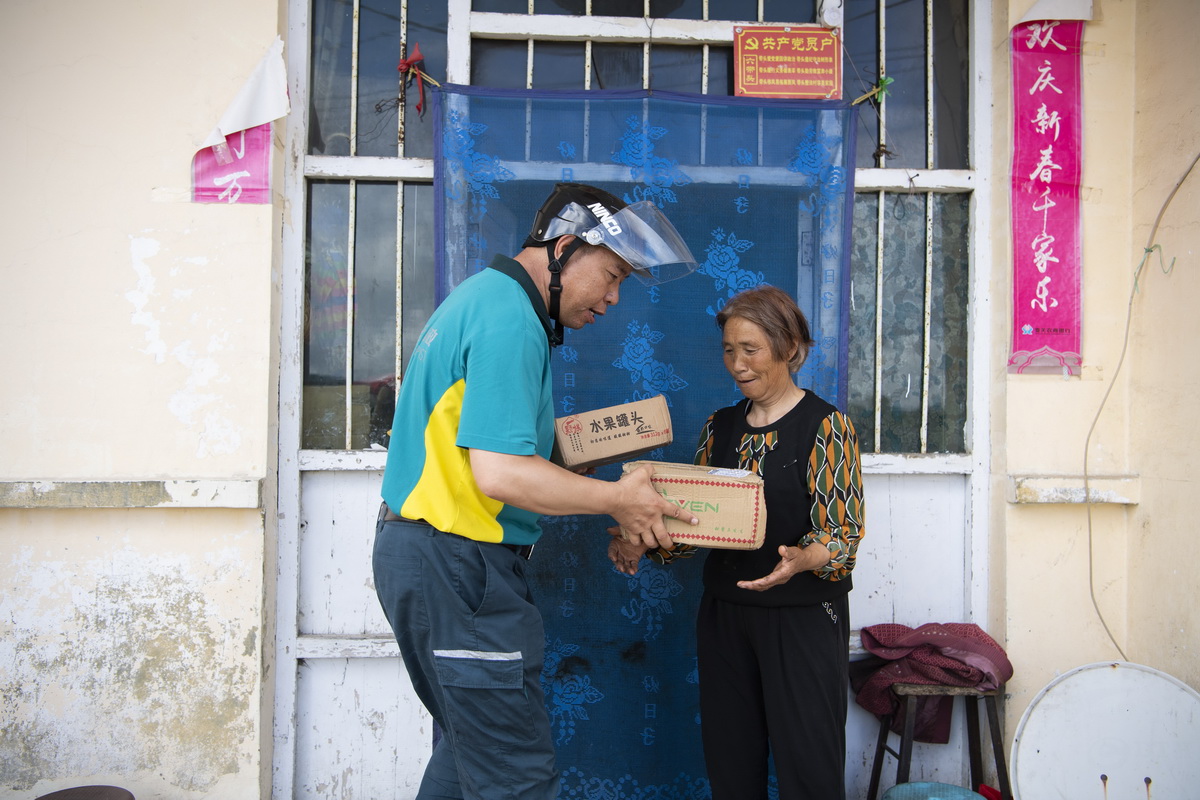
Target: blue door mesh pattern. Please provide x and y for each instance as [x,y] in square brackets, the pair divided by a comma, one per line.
[762,193]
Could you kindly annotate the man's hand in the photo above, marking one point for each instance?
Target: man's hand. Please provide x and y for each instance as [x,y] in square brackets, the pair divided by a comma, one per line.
[641,509]
[624,555]
[791,561]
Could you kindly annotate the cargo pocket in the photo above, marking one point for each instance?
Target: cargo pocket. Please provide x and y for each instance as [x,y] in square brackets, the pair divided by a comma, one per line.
[485,696]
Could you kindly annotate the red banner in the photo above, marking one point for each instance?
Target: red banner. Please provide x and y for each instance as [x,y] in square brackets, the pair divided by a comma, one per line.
[1047,166]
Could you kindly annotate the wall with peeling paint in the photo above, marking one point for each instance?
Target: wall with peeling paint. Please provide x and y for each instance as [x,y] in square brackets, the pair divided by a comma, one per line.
[135,405]
[128,664]
[1137,548]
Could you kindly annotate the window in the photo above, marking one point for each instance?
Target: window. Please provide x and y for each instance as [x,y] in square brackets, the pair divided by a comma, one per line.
[368,256]
[369,285]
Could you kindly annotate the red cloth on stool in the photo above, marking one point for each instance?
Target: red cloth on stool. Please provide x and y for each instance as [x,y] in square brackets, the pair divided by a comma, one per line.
[941,654]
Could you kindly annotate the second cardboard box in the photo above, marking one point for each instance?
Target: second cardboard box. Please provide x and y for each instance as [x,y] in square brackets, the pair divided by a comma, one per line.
[728,503]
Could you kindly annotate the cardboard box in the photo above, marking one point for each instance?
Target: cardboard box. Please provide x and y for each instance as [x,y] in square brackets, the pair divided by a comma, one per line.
[728,502]
[612,434]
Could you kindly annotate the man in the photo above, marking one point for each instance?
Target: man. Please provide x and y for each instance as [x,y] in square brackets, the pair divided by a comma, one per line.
[467,479]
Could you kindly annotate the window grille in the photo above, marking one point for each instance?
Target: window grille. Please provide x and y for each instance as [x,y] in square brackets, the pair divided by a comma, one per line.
[367,167]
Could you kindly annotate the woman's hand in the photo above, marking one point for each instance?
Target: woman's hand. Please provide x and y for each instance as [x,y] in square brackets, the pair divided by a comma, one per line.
[624,555]
[791,561]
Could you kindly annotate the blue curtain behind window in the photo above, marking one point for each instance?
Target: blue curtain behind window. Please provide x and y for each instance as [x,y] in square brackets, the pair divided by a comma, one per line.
[761,191]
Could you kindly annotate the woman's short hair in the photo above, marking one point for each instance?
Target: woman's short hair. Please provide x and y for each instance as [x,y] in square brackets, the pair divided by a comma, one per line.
[777,314]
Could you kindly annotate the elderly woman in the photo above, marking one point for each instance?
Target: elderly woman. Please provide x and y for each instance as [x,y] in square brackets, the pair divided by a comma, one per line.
[773,627]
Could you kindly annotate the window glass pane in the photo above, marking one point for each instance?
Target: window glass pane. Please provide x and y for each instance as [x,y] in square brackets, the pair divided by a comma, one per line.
[417,302]
[720,70]
[616,66]
[375,319]
[498,64]
[676,68]
[740,10]
[501,6]
[904,105]
[799,11]
[558,65]
[948,325]
[861,380]
[558,7]
[374,361]
[417,263]
[903,308]
[612,8]
[324,409]
[950,81]
[378,80]
[731,137]
[677,9]
[860,72]
[426,27]
[329,87]
[903,322]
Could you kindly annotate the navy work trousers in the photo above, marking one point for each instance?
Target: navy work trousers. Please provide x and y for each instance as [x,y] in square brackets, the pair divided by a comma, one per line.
[473,642]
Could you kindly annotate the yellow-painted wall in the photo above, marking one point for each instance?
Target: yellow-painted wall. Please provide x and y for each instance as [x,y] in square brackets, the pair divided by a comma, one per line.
[135,321]
[1136,554]
[1164,381]
[137,351]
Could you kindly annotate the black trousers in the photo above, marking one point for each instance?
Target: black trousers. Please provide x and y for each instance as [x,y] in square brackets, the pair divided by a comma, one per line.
[774,681]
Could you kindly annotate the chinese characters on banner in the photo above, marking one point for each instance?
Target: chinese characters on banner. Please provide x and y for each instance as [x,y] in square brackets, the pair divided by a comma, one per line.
[237,173]
[787,61]
[1047,166]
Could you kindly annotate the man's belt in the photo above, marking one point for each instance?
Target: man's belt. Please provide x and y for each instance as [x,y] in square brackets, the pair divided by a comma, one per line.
[522,550]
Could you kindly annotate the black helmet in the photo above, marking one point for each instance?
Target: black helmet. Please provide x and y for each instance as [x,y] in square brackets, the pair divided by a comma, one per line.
[637,232]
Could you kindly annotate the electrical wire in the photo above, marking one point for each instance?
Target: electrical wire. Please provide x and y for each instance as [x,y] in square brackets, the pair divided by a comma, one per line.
[1087,490]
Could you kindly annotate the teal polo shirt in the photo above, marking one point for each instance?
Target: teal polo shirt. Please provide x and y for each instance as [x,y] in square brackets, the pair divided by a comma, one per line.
[478,378]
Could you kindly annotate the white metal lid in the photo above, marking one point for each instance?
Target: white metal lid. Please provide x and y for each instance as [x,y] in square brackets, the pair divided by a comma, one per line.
[1112,730]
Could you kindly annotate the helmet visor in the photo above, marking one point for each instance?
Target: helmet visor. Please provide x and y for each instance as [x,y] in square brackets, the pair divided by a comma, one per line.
[639,233]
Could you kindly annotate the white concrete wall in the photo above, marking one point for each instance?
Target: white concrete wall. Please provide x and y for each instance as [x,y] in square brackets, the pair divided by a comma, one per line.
[135,404]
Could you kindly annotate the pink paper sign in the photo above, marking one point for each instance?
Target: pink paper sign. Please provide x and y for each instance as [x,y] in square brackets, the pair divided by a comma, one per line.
[239,171]
[1047,166]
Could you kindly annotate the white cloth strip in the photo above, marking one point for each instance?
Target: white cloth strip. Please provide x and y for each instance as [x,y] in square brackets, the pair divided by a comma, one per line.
[482,655]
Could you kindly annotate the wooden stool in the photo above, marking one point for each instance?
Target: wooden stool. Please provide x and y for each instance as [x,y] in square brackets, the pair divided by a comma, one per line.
[910,692]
